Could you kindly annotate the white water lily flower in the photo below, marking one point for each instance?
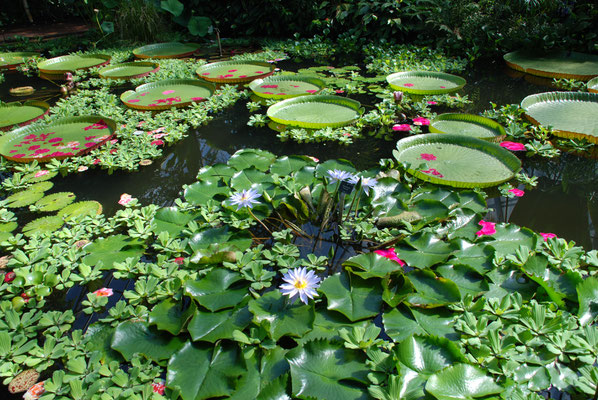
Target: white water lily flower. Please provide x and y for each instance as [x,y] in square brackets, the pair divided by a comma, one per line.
[302,282]
[366,183]
[245,198]
[339,175]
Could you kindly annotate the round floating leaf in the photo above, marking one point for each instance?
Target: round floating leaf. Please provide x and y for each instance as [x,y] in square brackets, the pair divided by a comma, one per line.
[509,237]
[247,158]
[23,198]
[166,94]
[55,201]
[8,227]
[23,381]
[199,193]
[428,354]
[171,220]
[214,326]
[286,86]
[371,265]
[468,125]
[587,292]
[171,315]
[462,382]
[424,250]
[41,186]
[79,209]
[235,71]
[558,64]
[113,249]
[129,70]
[425,82]
[98,337]
[12,59]
[166,50]
[315,112]
[42,178]
[21,114]
[468,280]
[218,289]
[43,225]
[569,114]
[136,337]
[352,296]
[431,290]
[66,137]
[456,160]
[70,63]
[287,165]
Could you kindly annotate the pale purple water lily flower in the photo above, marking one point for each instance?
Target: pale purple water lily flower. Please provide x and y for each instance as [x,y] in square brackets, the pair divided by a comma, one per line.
[245,198]
[366,183]
[302,282]
[339,175]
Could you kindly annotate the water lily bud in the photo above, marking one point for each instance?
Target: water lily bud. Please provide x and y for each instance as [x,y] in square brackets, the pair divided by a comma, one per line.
[68,76]
[63,90]
[398,96]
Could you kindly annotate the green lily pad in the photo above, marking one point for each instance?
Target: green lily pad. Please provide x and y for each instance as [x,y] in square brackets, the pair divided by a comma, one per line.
[8,227]
[425,82]
[166,94]
[571,115]
[129,70]
[286,86]
[316,112]
[166,50]
[43,225]
[468,125]
[113,249]
[80,208]
[40,178]
[352,296]
[455,160]
[55,201]
[593,85]
[23,198]
[462,382]
[559,64]
[43,186]
[70,63]
[12,59]
[21,114]
[132,337]
[67,137]
[234,71]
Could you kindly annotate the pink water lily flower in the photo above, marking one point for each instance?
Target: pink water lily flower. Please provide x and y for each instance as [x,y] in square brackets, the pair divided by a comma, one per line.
[432,103]
[125,198]
[421,121]
[159,387]
[179,260]
[401,127]
[103,292]
[41,173]
[547,236]
[513,146]
[427,156]
[391,255]
[517,192]
[487,228]
[82,168]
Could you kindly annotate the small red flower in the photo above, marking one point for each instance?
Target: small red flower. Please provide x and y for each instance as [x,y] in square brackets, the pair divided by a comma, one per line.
[487,228]
[401,127]
[517,192]
[9,277]
[157,142]
[159,387]
[391,255]
[25,297]
[179,260]
[546,236]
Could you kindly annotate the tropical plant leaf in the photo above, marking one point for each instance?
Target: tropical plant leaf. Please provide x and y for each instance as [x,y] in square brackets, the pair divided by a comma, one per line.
[455,383]
[199,193]
[509,237]
[175,7]
[136,337]
[170,315]
[431,291]
[199,25]
[247,178]
[214,326]
[371,265]
[352,296]
[587,292]
[211,245]
[477,257]
[80,209]
[427,355]
[425,250]
[252,158]
[98,337]
[468,280]
[42,186]
[218,289]
[275,389]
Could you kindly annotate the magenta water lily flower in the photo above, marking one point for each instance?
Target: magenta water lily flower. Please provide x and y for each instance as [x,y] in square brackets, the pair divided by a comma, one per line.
[517,192]
[421,121]
[513,146]
[366,182]
[338,175]
[391,255]
[300,282]
[488,228]
[245,198]
[104,292]
[401,127]
[547,236]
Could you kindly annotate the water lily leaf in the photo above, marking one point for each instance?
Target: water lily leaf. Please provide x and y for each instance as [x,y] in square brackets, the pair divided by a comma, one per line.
[388,198]
[211,245]
[437,322]
[429,209]
[205,371]
[8,227]
[425,250]
[246,178]
[327,325]
[315,372]
[211,327]
[55,201]
[537,269]
[371,265]
[305,176]
[444,196]
[456,383]
[23,198]
[287,165]
[400,324]
[279,318]
[587,292]
[199,193]
[80,209]
[396,289]
[275,390]
[113,249]
[136,337]
[98,337]
[252,158]
[509,237]
[41,186]
[170,315]
[464,223]
[352,296]
[534,377]
[43,225]
[473,201]
[431,291]
[171,220]
[218,171]
[218,289]
[506,281]
[477,257]
[466,278]
[428,354]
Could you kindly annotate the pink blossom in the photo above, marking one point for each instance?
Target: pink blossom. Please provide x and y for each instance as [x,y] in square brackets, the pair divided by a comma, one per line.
[168,92]
[513,146]
[391,255]
[517,192]
[433,171]
[339,91]
[159,387]
[401,127]
[157,142]
[547,236]
[160,135]
[41,173]
[421,121]
[427,156]
[96,161]
[82,168]
[487,228]
[179,260]
[125,198]
[408,84]
[432,103]
[103,292]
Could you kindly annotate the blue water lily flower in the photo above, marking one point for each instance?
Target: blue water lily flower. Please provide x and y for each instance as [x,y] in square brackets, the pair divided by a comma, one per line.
[245,198]
[339,175]
[366,183]
[302,282]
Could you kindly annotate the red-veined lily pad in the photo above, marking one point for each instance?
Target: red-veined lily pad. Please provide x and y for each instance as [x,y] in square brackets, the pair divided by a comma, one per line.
[70,63]
[166,50]
[455,160]
[129,70]
[316,112]
[235,71]
[468,125]
[570,114]
[425,82]
[286,86]
[593,85]
[561,64]
[166,94]
[63,138]
[21,114]
[11,60]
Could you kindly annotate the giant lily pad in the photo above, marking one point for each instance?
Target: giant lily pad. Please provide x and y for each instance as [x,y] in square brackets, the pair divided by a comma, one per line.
[129,70]
[21,114]
[67,137]
[425,82]
[63,64]
[456,160]
[166,94]
[571,115]
[235,71]
[166,50]
[316,112]
[561,64]
[11,60]
[468,125]
[286,86]
[593,85]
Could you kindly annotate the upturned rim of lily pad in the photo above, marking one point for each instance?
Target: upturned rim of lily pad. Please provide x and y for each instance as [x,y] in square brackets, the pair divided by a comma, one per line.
[204,70]
[540,64]
[457,82]
[109,71]
[56,65]
[256,84]
[44,109]
[177,50]
[493,127]
[23,55]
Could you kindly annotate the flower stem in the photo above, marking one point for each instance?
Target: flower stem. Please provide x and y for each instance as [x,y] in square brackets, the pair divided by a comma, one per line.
[258,220]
